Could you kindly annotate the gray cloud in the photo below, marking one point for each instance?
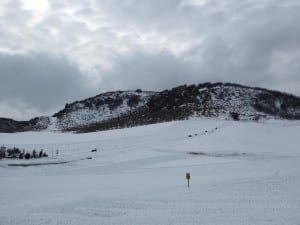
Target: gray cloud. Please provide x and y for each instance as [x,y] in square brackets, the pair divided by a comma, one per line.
[148,71]
[142,44]
[256,50]
[39,81]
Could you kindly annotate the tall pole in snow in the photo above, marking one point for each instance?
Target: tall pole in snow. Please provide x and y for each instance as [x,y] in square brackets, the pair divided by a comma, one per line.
[188,177]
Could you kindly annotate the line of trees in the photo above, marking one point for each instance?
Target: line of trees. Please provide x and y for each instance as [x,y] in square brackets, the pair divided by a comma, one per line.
[16,153]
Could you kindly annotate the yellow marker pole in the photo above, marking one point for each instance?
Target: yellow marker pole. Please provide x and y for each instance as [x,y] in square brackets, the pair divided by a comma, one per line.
[188,177]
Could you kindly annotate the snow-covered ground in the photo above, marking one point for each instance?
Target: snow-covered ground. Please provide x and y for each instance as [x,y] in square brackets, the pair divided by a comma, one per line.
[241,173]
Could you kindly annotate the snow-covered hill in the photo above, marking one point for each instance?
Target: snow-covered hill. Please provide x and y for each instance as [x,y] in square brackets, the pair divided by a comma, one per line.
[134,108]
[241,173]
[100,108]
[123,109]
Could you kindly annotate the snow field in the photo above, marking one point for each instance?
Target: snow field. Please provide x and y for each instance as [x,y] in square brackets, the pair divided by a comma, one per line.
[246,173]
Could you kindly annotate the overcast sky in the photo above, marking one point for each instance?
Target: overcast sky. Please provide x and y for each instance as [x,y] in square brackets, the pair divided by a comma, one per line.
[58,51]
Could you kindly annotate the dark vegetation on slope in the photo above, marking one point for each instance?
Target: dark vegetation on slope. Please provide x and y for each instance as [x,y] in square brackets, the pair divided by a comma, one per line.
[285,106]
[11,126]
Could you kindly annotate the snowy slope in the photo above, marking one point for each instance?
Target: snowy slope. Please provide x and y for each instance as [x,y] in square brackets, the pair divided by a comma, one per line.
[100,108]
[241,173]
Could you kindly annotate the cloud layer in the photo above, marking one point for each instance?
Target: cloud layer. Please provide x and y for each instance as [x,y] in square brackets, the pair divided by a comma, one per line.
[38,81]
[52,52]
